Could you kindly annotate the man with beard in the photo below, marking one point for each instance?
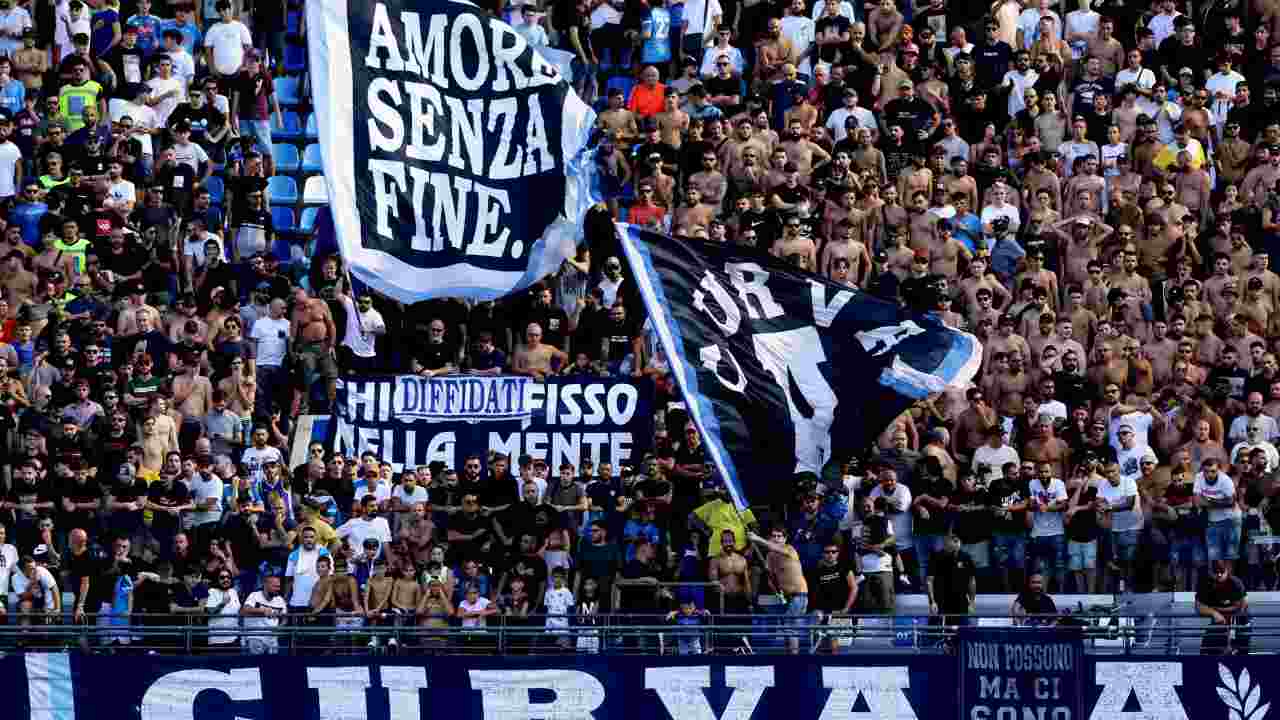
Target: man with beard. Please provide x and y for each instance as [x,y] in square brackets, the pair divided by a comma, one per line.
[1222,598]
[952,583]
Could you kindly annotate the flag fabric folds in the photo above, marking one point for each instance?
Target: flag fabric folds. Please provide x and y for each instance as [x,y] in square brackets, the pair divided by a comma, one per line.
[456,156]
[781,370]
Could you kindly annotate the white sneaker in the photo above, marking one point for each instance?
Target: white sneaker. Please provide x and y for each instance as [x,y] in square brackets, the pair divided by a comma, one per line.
[392,643]
[373,642]
[904,579]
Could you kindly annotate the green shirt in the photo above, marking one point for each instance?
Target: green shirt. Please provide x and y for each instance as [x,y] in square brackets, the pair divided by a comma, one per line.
[73,99]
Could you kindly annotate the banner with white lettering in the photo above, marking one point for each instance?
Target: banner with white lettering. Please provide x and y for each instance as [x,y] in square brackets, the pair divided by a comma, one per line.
[1021,673]
[455,154]
[411,420]
[762,350]
[62,686]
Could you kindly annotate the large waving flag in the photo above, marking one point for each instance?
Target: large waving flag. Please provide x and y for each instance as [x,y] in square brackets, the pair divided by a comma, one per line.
[780,369]
[455,155]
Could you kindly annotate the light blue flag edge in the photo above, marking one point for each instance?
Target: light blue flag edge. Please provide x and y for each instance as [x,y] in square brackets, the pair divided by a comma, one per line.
[700,408]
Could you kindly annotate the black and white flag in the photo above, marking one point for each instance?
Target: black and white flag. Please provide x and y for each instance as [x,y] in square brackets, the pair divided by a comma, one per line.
[781,370]
[456,155]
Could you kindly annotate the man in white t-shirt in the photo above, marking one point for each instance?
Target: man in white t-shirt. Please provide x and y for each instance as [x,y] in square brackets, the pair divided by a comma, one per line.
[364,325]
[1216,492]
[302,570]
[799,29]
[257,456]
[226,43]
[164,90]
[10,159]
[1130,452]
[8,564]
[260,614]
[475,608]
[1120,497]
[993,455]
[1048,548]
[34,586]
[365,525]
[270,338]
[121,194]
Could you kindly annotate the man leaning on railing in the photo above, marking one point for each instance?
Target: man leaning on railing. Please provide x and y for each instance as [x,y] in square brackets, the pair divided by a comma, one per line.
[261,613]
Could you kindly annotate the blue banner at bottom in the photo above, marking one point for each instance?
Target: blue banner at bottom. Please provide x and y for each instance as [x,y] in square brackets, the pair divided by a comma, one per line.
[885,687]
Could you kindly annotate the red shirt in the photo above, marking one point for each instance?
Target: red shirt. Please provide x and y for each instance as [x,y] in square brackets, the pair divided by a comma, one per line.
[646,101]
[643,214]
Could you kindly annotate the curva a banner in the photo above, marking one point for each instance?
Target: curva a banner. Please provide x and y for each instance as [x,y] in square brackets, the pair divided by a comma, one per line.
[456,155]
[58,686]
[763,350]
[411,421]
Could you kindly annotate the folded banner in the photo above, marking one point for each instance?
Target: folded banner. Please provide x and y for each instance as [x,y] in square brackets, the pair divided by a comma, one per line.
[455,155]
[782,370]
[411,420]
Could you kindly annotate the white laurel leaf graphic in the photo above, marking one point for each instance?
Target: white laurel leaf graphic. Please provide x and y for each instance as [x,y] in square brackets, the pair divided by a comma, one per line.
[1230,699]
[1243,683]
[1262,712]
[1228,680]
[1233,715]
[1251,701]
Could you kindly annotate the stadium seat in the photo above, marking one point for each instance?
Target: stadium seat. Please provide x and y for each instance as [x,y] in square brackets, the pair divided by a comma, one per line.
[283,190]
[307,222]
[293,23]
[289,91]
[286,158]
[216,189]
[311,159]
[621,82]
[315,191]
[295,58]
[313,128]
[291,129]
[282,219]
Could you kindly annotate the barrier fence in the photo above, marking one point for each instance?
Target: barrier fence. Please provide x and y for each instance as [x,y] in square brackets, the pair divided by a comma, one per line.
[995,676]
[619,634]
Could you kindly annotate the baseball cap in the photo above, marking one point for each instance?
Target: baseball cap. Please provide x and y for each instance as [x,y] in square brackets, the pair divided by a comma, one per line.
[905,83]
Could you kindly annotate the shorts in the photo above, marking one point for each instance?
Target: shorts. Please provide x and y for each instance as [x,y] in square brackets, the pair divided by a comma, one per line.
[1222,540]
[1049,553]
[1082,555]
[316,361]
[980,553]
[261,645]
[798,611]
[261,132]
[1187,551]
[1010,550]
[1124,544]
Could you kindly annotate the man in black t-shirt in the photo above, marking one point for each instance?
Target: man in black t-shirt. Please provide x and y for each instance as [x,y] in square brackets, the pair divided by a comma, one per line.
[167,498]
[833,587]
[1221,597]
[621,338]
[952,583]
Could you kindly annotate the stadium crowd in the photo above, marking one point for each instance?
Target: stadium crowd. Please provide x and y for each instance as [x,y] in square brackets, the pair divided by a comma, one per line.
[1092,192]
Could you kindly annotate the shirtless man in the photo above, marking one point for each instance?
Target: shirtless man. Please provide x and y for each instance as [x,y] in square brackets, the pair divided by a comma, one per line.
[1259,181]
[847,211]
[534,358]
[673,122]
[945,251]
[795,247]
[729,569]
[315,335]
[337,593]
[618,119]
[787,577]
[979,279]
[805,153]
[918,179]
[847,246]
[192,392]
[1011,386]
[694,211]
[18,285]
[1081,236]
[1046,447]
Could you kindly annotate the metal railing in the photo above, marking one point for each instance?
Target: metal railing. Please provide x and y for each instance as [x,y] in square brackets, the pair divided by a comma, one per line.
[605,633]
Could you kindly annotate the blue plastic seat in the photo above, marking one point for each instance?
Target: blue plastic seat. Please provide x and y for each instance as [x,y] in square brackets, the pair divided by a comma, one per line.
[283,190]
[313,128]
[289,90]
[216,189]
[621,82]
[311,159]
[286,158]
[307,223]
[282,219]
[291,129]
[295,58]
[293,22]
